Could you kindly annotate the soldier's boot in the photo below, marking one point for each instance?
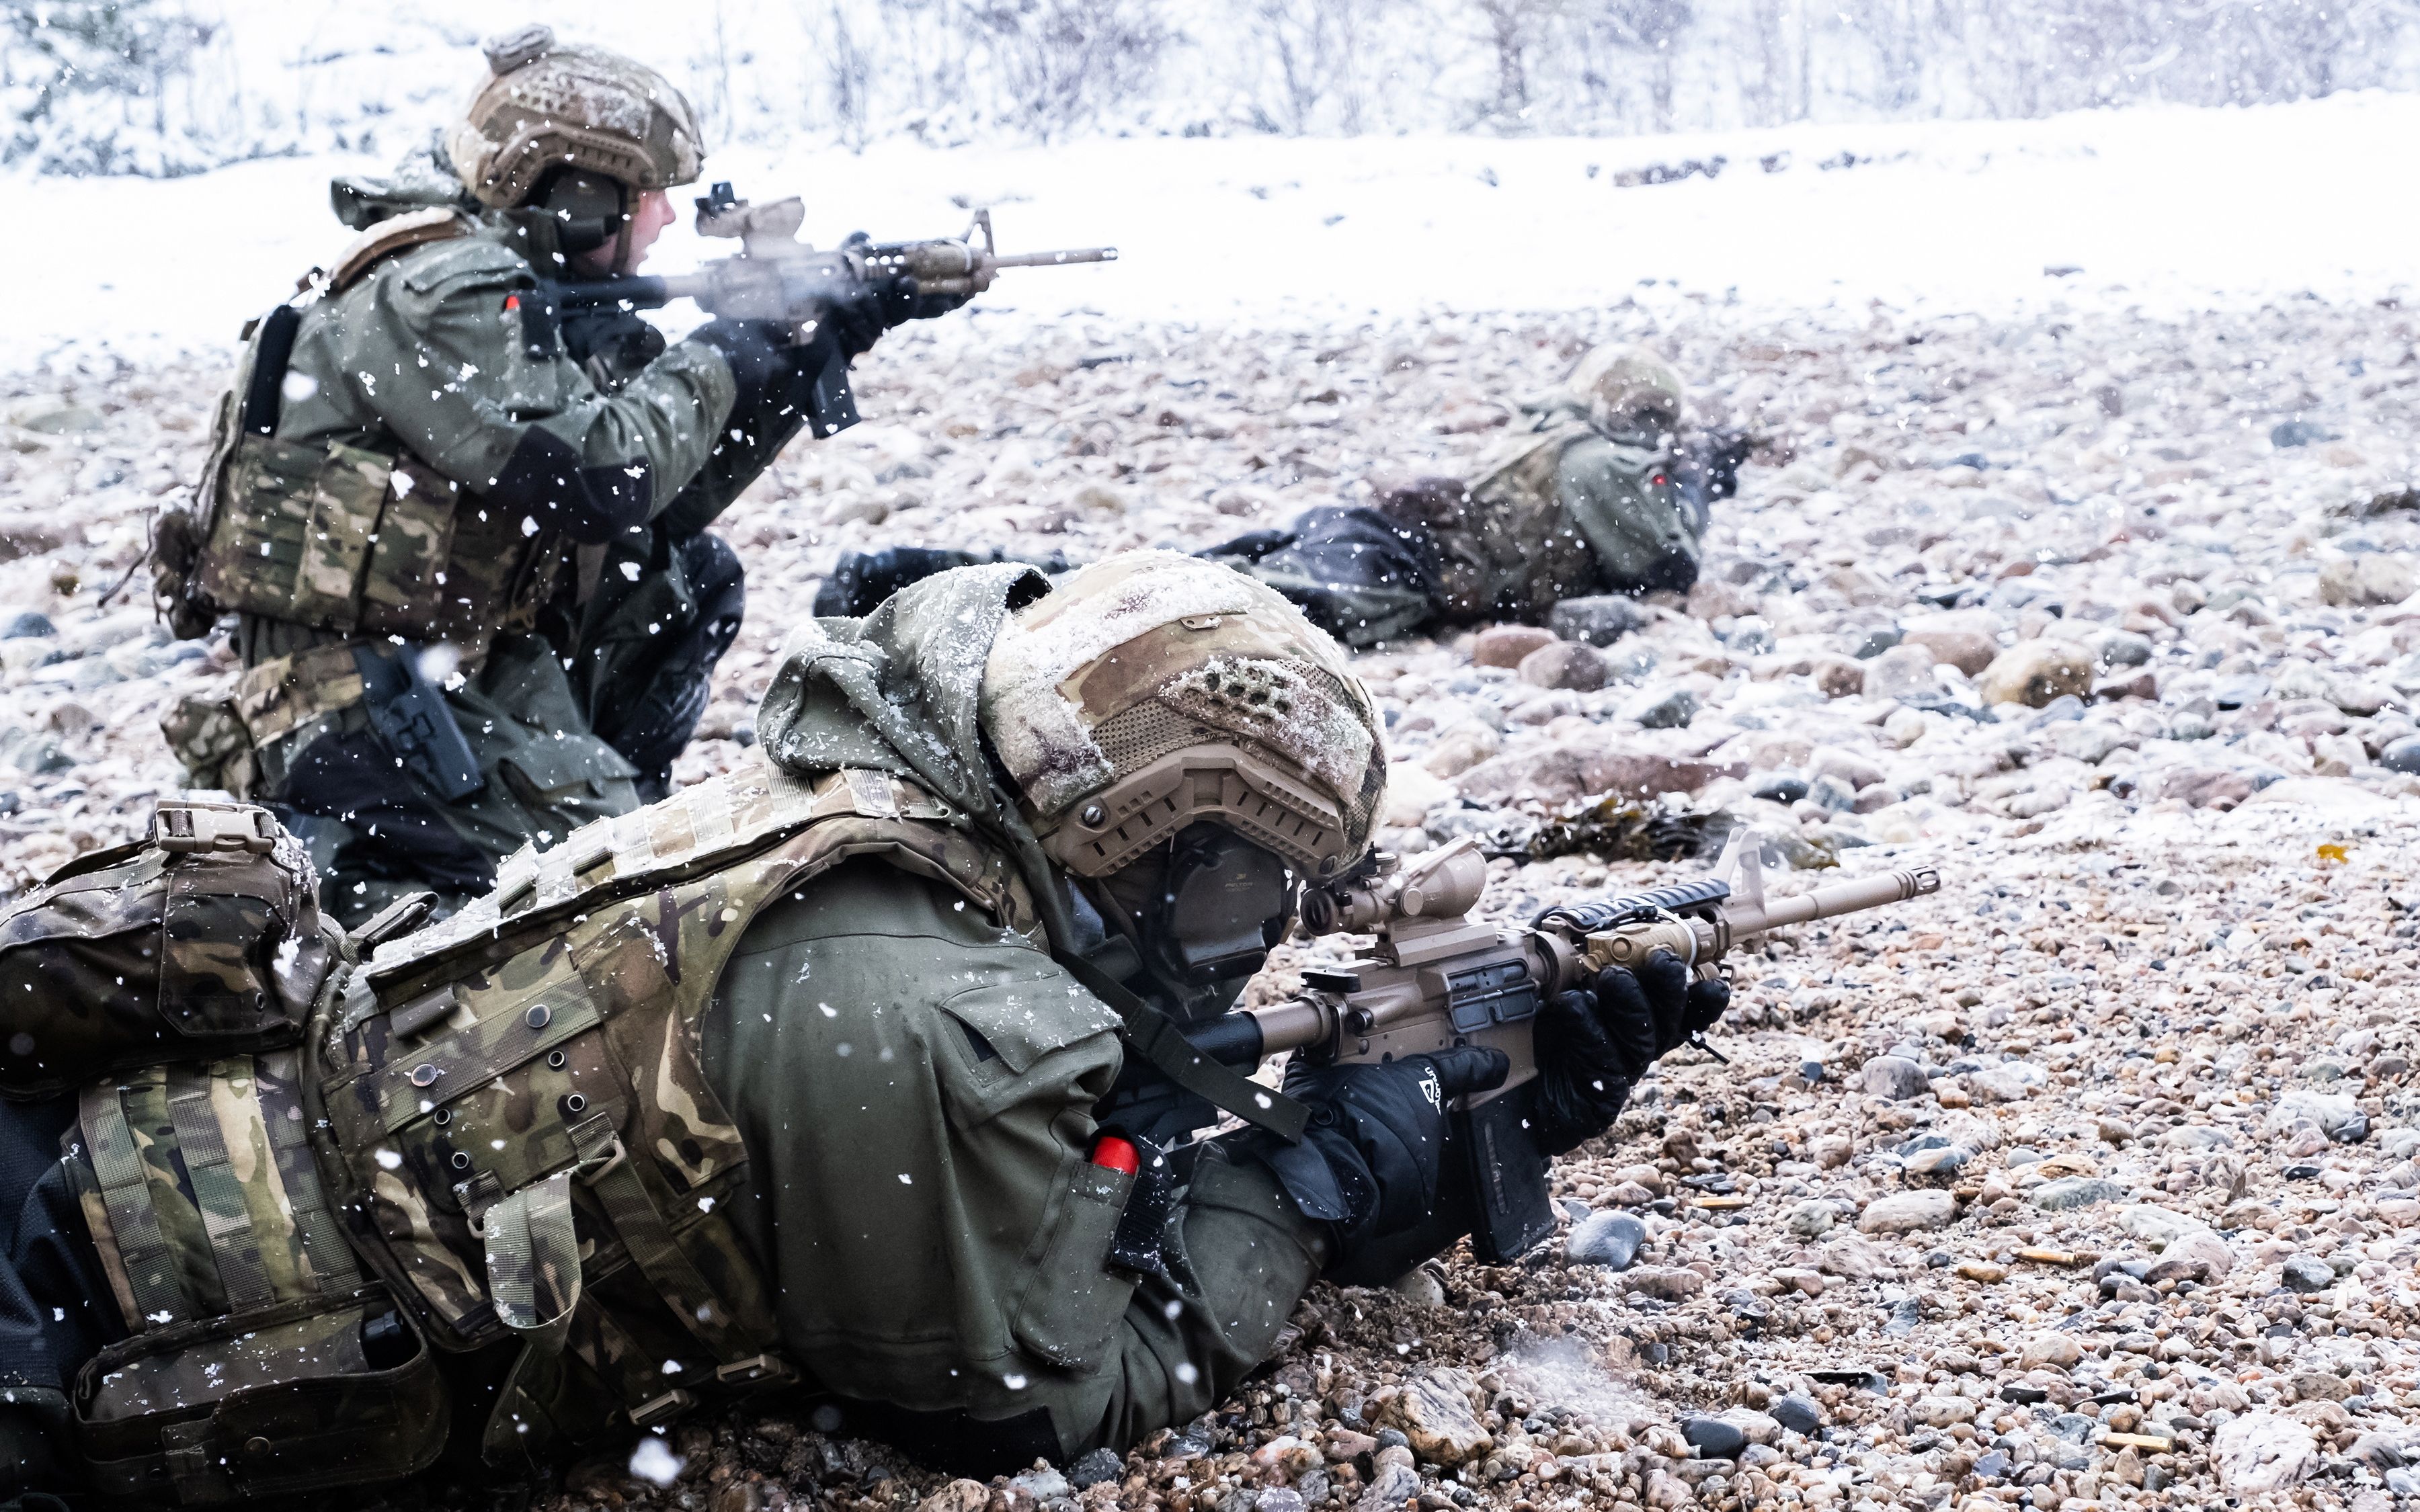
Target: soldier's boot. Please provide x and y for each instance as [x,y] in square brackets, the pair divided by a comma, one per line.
[860,581]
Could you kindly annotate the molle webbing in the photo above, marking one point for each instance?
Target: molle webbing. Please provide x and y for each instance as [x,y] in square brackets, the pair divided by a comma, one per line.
[516,1097]
[202,1193]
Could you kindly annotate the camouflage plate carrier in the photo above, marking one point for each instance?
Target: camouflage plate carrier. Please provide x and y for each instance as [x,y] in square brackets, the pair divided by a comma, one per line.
[359,536]
[511,1125]
[528,1145]
[1510,549]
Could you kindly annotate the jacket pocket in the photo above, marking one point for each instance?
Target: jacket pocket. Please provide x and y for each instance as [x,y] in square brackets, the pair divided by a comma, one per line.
[997,1038]
[1069,1309]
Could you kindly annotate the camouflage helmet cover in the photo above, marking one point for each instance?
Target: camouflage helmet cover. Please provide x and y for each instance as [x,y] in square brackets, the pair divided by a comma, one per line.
[1152,689]
[1628,388]
[545,106]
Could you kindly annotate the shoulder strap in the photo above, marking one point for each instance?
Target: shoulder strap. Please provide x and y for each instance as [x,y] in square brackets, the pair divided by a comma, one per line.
[1514,453]
[398,233]
[1155,1037]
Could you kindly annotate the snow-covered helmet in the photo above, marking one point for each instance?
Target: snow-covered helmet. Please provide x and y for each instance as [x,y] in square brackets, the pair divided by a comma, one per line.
[1152,689]
[546,106]
[1628,388]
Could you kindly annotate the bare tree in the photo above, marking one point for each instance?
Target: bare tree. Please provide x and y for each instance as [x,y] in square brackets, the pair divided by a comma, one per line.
[1515,30]
[1652,28]
[1320,48]
[848,70]
[1064,63]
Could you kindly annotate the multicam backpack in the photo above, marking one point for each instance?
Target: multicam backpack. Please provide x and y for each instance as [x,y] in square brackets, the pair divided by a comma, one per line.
[260,1360]
[170,979]
[202,939]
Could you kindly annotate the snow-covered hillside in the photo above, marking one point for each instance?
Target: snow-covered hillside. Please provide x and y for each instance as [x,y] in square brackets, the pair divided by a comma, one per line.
[2162,208]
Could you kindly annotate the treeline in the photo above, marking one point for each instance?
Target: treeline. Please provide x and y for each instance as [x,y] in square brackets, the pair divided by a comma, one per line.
[169,87]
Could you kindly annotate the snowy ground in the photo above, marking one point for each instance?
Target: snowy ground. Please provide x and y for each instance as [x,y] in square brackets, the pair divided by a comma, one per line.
[2104,1169]
[2164,209]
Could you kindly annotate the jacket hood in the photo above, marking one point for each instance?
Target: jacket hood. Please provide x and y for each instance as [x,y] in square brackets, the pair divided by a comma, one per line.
[900,691]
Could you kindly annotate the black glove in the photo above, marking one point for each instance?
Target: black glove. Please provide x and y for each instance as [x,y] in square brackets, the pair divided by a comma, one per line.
[758,352]
[1369,1162]
[1708,466]
[902,300]
[1595,1043]
[612,345]
[856,317]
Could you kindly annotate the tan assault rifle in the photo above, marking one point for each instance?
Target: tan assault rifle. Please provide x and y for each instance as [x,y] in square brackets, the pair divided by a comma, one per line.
[1435,978]
[778,279]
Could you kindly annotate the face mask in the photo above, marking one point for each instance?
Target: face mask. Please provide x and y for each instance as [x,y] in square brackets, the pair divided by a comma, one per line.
[1222,902]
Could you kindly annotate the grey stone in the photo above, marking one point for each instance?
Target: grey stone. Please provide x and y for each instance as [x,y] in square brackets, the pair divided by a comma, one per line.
[1094,1469]
[1907,1212]
[1393,1485]
[1278,1498]
[1597,619]
[1713,1438]
[2304,1275]
[1565,664]
[1903,672]
[1833,794]
[43,755]
[1942,1161]
[1043,1485]
[1612,1239]
[1812,1218]
[1872,641]
[2124,648]
[1797,1413]
[1906,1316]
[1667,708]
[2076,1192]
[2402,755]
[1789,787]
[2336,1114]
[1895,1078]
[27,625]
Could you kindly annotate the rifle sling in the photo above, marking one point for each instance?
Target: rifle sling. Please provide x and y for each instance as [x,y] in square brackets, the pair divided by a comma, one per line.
[1155,1036]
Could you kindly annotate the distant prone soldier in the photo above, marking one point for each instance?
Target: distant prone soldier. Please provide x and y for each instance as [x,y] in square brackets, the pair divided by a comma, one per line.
[461,527]
[1605,488]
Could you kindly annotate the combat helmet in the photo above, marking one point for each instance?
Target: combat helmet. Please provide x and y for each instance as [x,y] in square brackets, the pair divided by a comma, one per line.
[1152,689]
[545,106]
[1629,388]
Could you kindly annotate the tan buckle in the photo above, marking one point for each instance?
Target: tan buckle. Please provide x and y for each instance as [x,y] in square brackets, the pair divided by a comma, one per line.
[656,1410]
[586,1142]
[181,827]
[759,1370]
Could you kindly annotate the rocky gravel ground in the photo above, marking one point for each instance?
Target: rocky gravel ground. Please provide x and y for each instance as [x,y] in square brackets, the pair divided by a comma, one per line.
[2093,1180]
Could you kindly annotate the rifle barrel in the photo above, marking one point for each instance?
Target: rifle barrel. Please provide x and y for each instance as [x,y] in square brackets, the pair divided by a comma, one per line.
[1840,897]
[1054,259]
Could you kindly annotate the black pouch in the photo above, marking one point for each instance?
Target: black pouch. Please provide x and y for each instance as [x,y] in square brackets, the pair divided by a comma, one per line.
[310,1396]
